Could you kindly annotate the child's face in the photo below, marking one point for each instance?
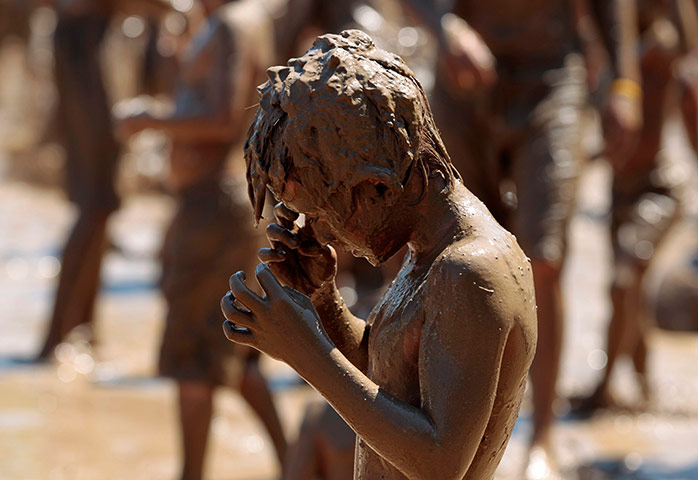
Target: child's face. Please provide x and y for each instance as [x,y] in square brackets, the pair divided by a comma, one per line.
[364,230]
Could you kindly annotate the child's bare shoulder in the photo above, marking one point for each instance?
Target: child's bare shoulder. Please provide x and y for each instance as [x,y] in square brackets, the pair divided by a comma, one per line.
[495,259]
[485,274]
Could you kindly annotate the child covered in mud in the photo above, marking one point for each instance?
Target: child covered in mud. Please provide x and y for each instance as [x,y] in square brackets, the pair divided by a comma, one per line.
[432,382]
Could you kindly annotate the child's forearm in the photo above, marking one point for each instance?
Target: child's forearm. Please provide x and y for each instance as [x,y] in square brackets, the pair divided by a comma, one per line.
[347,332]
[401,433]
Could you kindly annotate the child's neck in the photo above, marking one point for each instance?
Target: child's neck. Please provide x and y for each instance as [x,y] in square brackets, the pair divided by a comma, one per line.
[442,217]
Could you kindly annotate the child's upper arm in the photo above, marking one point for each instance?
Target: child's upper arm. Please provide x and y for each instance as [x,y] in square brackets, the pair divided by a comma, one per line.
[461,346]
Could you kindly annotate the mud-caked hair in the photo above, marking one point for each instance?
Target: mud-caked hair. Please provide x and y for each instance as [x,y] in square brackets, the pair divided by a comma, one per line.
[343,113]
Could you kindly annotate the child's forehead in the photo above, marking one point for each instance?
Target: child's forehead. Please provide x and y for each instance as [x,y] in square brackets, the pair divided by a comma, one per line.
[322,204]
[294,196]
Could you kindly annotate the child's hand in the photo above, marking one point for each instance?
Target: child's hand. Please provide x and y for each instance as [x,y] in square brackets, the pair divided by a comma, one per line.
[284,324]
[295,257]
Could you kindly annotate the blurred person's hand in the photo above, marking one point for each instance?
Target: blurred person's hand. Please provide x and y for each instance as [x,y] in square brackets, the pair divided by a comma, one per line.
[622,120]
[465,58]
[127,126]
[140,113]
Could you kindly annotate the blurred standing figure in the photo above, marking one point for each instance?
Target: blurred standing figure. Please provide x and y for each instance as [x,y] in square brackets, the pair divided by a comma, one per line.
[644,204]
[221,68]
[86,131]
[510,87]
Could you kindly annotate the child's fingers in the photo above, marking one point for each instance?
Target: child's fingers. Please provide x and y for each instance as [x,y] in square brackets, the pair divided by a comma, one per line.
[284,215]
[241,318]
[277,233]
[271,255]
[238,335]
[243,294]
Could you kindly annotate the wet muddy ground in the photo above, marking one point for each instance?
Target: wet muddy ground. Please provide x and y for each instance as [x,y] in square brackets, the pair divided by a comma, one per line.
[99,413]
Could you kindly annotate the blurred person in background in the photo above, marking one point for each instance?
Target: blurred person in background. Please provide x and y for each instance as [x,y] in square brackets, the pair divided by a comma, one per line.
[644,201]
[211,230]
[15,36]
[509,91]
[85,130]
[324,448]
[302,19]
[92,152]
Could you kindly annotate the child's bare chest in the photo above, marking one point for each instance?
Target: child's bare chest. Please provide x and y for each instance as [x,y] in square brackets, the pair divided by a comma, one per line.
[394,339]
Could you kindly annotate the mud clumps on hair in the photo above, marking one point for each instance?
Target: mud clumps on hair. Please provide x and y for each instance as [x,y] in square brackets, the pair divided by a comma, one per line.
[343,113]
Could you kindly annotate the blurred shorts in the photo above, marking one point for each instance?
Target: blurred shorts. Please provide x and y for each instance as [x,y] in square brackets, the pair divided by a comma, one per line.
[644,208]
[211,237]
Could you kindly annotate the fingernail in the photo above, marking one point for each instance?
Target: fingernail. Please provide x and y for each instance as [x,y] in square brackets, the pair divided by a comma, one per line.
[228,326]
[242,274]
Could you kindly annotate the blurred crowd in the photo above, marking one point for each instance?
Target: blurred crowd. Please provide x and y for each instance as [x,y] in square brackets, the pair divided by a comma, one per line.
[127,96]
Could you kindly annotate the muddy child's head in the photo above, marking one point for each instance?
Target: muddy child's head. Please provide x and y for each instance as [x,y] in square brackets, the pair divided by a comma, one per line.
[339,134]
